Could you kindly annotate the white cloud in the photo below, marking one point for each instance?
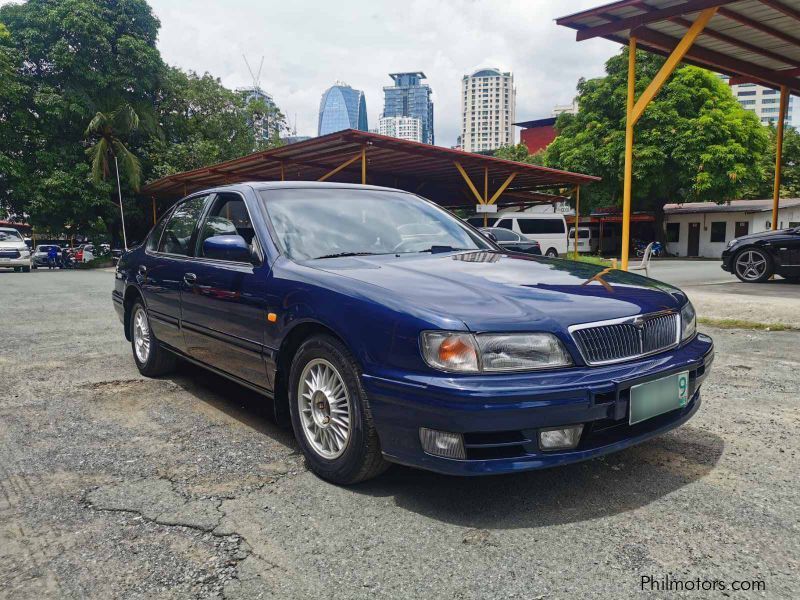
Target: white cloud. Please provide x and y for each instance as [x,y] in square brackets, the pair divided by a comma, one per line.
[307,45]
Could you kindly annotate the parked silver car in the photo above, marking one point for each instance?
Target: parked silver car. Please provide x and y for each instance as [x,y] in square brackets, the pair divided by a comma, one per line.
[14,252]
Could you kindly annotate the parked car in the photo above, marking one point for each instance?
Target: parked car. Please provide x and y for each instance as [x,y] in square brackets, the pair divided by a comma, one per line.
[84,253]
[757,257]
[585,241]
[448,354]
[549,229]
[511,241]
[40,255]
[14,252]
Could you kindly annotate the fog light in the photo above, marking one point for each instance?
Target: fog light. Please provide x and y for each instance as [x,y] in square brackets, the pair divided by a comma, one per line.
[442,443]
[560,438]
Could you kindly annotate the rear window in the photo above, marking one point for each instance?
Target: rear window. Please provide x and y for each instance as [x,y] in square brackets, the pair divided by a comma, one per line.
[533,226]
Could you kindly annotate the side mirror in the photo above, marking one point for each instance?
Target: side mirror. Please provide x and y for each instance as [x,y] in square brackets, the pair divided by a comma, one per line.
[227,247]
[490,235]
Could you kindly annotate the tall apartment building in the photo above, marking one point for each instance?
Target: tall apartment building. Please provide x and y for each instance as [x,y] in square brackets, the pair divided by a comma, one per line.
[488,100]
[409,97]
[405,128]
[765,102]
[342,107]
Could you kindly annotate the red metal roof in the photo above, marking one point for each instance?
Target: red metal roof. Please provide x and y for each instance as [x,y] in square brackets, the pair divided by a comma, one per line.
[754,41]
[413,166]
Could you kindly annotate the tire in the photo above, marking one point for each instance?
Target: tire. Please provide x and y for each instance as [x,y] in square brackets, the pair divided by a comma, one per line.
[155,360]
[26,269]
[17,269]
[752,265]
[340,454]
[551,253]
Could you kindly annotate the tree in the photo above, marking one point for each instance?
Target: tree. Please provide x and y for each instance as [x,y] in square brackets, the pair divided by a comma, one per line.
[519,153]
[694,141]
[790,171]
[109,150]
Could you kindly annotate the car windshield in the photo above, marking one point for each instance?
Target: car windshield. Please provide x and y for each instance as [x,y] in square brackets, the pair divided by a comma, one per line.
[328,222]
[44,248]
[9,235]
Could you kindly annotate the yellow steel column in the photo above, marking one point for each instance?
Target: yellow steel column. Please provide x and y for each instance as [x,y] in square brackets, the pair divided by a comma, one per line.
[626,189]
[364,164]
[469,181]
[344,165]
[776,189]
[485,194]
[153,198]
[283,172]
[577,216]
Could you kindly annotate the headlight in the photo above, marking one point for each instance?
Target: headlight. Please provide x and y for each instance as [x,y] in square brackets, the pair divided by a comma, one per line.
[732,242]
[491,353]
[688,321]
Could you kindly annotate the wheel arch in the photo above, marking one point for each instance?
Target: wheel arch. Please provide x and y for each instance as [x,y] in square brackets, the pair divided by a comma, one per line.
[132,293]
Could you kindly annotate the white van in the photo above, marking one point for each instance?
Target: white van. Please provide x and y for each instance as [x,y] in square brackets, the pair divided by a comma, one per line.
[549,229]
[586,243]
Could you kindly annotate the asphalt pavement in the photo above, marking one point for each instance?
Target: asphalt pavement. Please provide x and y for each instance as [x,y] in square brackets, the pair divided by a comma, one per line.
[117,486]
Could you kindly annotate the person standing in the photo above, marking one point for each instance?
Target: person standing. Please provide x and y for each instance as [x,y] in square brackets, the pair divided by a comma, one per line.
[52,257]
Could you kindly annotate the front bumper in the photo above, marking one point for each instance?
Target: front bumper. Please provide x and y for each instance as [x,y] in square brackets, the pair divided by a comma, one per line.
[15,262]
[727,261]
[499,416]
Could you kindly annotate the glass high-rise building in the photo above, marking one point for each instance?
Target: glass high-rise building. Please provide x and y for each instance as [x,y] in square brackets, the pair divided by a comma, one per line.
[409,97]
[342,107]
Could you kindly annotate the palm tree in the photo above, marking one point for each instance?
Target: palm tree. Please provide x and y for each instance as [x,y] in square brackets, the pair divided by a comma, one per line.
[107,127]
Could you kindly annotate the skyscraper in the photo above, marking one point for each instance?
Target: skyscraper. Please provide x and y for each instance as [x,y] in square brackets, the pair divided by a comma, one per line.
[488,100]
[404,128]
[763,101]
[409,97]
[342,107]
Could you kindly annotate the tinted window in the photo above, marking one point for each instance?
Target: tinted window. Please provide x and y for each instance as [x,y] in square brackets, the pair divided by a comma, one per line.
[504,235]
[673,232]
[478,221]
[504,223]
[228,216]
[177,237]
[718,231]
[323,222]
[155,234]
[529,226]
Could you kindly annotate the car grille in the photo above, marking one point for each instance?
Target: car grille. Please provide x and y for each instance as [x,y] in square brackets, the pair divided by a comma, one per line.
[622,339]
[9,253]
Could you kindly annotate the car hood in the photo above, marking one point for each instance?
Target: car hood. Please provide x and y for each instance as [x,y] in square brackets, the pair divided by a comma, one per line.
[752,237]
[13,245]
[493,291]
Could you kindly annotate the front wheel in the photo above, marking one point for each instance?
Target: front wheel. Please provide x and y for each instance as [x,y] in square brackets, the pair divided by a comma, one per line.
[752,265]
[151,358]
[331,416]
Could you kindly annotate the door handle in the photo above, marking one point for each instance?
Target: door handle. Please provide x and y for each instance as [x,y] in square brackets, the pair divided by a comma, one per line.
[190,278]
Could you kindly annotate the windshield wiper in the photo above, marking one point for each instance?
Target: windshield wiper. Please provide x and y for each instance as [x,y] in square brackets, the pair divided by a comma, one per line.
[343,254]
[437,249]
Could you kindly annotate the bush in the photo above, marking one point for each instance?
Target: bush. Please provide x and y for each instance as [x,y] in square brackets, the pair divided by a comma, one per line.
[101,262]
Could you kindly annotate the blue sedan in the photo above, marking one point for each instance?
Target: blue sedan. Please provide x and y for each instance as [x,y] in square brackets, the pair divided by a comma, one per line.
[387,330]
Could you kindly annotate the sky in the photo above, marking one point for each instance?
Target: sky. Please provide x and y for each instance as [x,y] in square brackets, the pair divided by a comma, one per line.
[309,45]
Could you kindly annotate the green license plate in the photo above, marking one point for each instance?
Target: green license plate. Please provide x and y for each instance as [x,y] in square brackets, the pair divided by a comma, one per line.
[657,397]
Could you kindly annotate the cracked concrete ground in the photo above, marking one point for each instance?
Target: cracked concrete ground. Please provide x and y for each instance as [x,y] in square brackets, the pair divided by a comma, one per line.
[112,485]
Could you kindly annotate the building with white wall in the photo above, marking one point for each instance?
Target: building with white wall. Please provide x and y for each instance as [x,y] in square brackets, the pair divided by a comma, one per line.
[763,101]
[488,105]
[705,228]
[572,109]
[405,128]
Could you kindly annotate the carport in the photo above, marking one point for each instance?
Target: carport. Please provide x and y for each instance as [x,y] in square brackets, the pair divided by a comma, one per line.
[752,41]
[451,178]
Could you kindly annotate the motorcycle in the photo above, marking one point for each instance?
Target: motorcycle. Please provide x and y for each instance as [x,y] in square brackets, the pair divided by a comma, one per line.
[640,246]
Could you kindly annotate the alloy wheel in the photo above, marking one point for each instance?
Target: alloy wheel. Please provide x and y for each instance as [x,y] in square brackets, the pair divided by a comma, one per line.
[141,335]
[325,408]
[751,265]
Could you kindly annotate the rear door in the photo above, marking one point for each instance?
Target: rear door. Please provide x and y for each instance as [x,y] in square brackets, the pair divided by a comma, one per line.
[224,308]
[167,260]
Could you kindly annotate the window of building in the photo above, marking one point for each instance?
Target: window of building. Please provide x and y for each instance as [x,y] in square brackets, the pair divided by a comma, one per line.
[747,102]
[673,232]
[741,228]
[718,231]
[750,93]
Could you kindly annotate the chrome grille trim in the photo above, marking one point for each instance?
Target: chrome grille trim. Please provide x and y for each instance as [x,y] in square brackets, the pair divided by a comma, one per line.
[618,340]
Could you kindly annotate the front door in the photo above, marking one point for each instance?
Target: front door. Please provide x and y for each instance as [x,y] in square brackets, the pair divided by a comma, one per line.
[161,274]
[224,311]
[694,240]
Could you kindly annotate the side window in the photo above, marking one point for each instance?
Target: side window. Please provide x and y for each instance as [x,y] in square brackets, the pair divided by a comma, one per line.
[718,231]
[505,235]
[155,233]
[504,223]
[228,216]
[541,226]
[177,236]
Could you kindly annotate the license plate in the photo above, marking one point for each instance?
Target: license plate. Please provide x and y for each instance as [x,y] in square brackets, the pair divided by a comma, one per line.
[657,397]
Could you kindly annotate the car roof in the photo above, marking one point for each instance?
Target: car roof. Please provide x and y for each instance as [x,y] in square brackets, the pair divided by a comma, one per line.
[288,185]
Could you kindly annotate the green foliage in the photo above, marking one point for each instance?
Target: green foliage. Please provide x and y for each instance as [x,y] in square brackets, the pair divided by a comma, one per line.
[790,172]
[518,153]
[694,141]
[86,74]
